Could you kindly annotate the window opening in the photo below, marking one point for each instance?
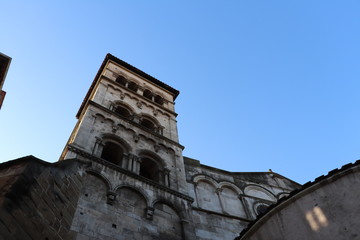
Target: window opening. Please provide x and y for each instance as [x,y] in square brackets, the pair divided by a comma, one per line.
[133,86]
[261,209]
[148,94]
[121,80]
[159,100]
[112,153]
[148,124]
[149,169]
[122,111]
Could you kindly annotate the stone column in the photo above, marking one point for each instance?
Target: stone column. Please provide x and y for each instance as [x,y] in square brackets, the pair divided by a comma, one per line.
[246,208]
[166,177]
[137,162]
[187,223]
[196,195]
[218,193]
[125,160]
[130,162]
[98,147]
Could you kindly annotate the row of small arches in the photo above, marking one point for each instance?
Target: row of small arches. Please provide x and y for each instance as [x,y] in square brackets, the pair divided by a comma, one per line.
[147,164]
[226,197]
[131,203]
[135,87]
[148,122]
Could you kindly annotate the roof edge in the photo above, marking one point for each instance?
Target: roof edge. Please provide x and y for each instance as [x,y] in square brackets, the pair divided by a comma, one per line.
[294,195]
[131,68]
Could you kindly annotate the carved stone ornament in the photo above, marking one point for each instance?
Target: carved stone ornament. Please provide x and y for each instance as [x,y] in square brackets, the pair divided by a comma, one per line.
[111,196]
[136,138]
[149,213]
[114,128]
[139,104]
[157,148]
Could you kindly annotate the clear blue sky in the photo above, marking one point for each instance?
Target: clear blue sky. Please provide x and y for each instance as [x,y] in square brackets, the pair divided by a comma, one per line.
[264,84]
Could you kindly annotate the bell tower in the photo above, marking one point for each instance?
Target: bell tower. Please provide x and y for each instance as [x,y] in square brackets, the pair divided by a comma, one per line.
[128,120]
[135,180]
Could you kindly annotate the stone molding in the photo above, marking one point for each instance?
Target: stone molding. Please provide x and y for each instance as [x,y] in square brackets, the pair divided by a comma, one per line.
[136,124]
[91,157]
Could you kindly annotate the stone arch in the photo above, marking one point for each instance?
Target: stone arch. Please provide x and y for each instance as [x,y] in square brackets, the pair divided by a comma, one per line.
[115,88]
[113,137]
[200,177]
[120,108]
[231,186]
[145,152]
[159,99]
[133,85]
[170,151]
[96,188]
[259,192]
[113,149]
[150,123]
[148,94]
[131,207]
[99,115]
[207,195]
[168,221]
[101,177]
[174,206]
[260,208]
[136,189]
[231,202]
[152,166]
[282,195]
[122,80]
[109,121]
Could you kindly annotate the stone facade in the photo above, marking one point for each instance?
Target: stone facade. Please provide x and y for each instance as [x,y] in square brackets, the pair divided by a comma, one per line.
[127,177]
[225,201]
[38,200]
[327,208]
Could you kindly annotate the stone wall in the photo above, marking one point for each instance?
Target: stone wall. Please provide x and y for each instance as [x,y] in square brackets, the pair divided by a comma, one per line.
[328,208]
[38,199]
[225,202]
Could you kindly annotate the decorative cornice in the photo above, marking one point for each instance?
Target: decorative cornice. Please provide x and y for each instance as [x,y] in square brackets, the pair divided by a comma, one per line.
[220,214]
[136,124]
[110,57]
[128,92]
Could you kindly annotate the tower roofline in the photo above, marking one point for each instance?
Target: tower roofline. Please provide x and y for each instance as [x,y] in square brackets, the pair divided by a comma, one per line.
[129,67]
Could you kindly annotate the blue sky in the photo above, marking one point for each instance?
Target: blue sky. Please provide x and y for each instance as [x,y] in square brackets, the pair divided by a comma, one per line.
[263,84]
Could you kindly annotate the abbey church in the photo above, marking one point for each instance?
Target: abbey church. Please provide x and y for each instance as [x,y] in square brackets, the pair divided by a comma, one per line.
[122,175]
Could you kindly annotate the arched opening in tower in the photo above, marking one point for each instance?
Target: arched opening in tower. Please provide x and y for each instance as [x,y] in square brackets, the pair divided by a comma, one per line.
[121,80]
[112,153]
[123,111]
[149,169]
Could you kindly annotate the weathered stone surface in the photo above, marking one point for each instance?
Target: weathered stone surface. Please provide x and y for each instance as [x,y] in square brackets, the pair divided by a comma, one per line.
[32,205]
[327,209]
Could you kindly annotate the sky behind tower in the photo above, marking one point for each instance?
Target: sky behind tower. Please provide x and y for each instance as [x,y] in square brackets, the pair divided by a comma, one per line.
[263,84]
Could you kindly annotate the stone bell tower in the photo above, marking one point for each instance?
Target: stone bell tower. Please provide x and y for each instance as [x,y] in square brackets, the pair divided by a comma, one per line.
[127,133]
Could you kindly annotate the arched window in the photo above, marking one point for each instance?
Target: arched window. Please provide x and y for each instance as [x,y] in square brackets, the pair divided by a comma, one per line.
[148,124]
[122,111]
[112,152]
[133,86]
[121,80]
[148,94]
[149,169]
[159,100]
[168,222]
[262,208]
